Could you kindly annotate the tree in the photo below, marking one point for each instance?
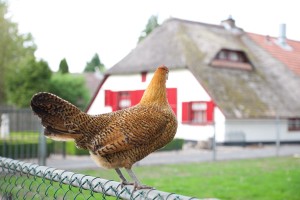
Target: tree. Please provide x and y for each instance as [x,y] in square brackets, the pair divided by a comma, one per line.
[94,64]
[15,49]
[63,66]
[30,78]
[71,88]
[151,25]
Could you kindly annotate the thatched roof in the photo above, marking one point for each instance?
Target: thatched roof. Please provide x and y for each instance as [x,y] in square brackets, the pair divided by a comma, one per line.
[262,92]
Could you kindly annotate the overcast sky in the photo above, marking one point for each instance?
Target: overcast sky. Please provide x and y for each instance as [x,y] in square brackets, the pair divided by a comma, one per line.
[77,29]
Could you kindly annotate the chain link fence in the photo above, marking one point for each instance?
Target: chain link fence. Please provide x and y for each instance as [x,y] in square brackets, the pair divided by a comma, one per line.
[21,138]
[21,180]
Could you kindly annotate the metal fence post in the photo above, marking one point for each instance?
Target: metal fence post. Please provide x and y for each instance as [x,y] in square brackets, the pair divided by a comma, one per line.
[214,143]
[277,121]
[64,150]
[42,148]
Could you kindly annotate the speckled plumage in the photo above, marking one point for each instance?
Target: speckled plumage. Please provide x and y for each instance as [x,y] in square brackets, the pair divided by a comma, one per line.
[117,139]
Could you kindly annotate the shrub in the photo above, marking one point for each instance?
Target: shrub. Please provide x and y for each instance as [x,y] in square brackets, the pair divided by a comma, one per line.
[71,149]
[175,144]
[18,150]
[71,88]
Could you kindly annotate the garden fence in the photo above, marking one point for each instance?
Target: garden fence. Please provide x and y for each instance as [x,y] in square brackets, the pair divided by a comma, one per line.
[21,180]
[19,133]
[19,119]
[21,136]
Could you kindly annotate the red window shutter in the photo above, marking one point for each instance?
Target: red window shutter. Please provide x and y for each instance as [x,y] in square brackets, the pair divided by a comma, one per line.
[108,97]
[172,98]
[185,112]
[111,99]
[136,96]
[210,111]
[115,101]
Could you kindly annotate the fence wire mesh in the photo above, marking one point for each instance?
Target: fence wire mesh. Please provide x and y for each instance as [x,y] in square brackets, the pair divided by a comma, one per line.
[21,180]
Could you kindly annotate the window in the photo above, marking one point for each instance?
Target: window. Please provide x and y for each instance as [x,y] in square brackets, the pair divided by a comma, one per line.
[235,56]
[123,99]
[231,55]
[144,76]
[231,59]
[222,55]
[197,112]
[294,124]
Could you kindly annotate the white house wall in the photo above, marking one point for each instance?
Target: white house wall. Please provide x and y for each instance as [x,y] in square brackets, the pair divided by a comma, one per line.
[261,130]
[219,125]
[188,89]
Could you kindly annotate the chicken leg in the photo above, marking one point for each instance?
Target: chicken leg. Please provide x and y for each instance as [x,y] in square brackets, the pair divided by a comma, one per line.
[137,184]
[123,179]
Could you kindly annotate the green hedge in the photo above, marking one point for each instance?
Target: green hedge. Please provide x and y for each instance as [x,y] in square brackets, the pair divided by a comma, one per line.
[71,149]
[18,150]
[175,144]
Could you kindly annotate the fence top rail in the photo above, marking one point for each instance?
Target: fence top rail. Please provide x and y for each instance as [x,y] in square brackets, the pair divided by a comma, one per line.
[94,184]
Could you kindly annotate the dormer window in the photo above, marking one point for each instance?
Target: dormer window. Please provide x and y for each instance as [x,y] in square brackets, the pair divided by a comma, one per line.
[231,59]
[235,56]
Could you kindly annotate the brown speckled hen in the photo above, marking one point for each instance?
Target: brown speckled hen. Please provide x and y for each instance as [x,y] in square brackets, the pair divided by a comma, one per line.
[116,139]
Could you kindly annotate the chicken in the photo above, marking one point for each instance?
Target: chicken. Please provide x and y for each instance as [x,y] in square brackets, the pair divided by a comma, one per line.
[117,139]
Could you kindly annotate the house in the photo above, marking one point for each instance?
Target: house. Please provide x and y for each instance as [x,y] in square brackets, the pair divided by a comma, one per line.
[221,80]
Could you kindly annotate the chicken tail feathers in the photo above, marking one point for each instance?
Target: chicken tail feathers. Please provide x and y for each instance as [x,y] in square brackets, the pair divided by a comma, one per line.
[60,118]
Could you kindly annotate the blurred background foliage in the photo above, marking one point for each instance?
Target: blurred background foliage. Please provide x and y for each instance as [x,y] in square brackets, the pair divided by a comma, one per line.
[22,74]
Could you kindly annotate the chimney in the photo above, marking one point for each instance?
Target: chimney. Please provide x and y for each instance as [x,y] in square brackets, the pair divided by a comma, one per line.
[281,40]
[282,34]
[228,23]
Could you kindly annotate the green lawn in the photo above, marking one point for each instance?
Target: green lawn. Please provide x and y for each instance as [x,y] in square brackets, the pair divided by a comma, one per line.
[25,137]
[270,178]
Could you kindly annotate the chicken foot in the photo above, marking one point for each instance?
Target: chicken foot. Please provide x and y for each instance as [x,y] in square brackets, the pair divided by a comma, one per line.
[123,179]
[137,184]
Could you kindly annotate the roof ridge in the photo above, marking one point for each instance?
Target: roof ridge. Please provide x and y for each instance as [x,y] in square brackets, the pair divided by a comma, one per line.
[193,22]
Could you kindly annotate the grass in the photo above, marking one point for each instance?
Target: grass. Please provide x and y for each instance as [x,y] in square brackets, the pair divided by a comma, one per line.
[24,137]
[20,145]
[269,178]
